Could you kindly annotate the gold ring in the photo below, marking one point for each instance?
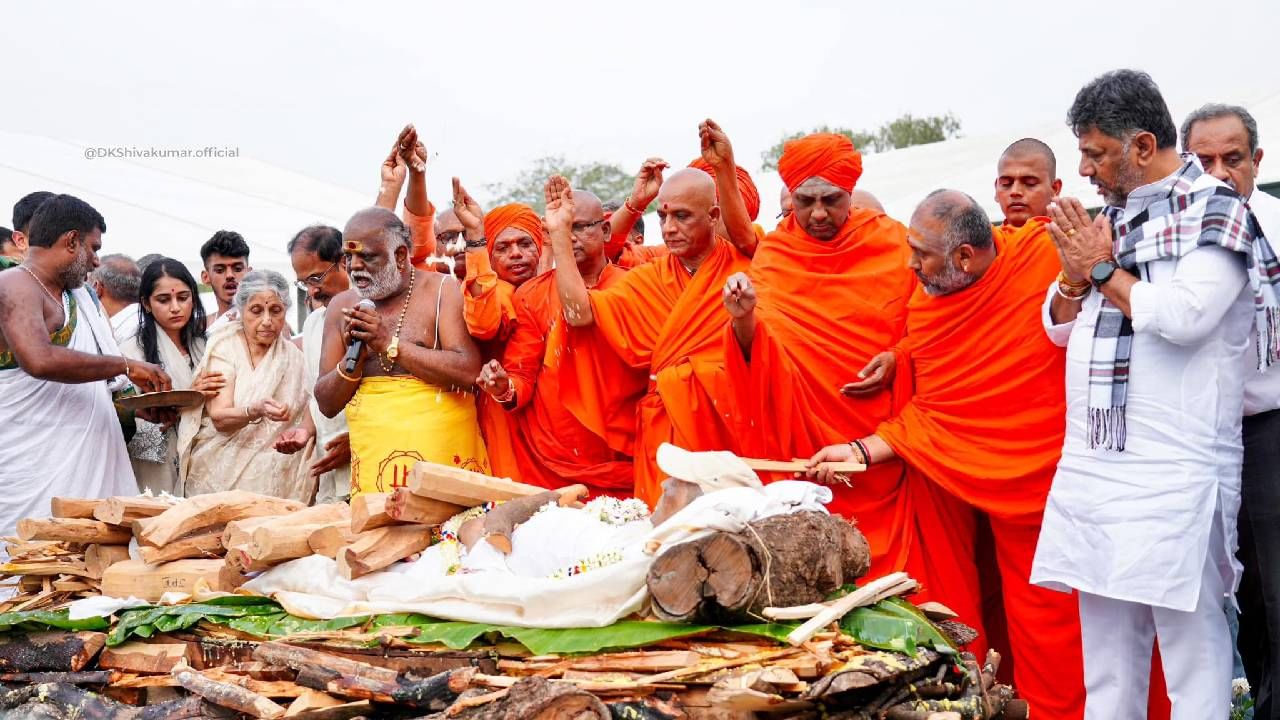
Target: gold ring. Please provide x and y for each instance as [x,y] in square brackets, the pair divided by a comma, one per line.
[1071,232]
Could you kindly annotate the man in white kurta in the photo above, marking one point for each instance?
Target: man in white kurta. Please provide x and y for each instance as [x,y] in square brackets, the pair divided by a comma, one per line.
[334,485]
[1225,139]
[1141,516]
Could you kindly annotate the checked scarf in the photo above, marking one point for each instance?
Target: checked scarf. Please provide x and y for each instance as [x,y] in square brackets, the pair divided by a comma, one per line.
[1197,211]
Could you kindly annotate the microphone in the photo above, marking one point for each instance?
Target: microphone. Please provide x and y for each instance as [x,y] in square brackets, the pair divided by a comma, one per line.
[352,358]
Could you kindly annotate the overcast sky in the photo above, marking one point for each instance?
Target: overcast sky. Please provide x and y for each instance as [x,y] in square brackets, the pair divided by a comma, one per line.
[322,88]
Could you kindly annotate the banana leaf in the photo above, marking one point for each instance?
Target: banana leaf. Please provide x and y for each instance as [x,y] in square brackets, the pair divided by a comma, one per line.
[620,635]
[894,624]
[35,620]
[147,621]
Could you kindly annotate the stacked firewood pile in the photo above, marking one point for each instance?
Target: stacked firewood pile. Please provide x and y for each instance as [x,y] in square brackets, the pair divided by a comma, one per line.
[797,569]
[212,541]
[700,678]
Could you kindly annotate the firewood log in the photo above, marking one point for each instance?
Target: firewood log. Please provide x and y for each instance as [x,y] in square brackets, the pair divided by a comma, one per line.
[404,506]
[781,561]
[369,511]
[211,509]
[273,544]
[204,543]
[69,507]
[534,698]
[124,510]
[149,582]
[97,558]
[327,541]
[375,549]
[74,530]
[54,650]
[464,487]
[226,694]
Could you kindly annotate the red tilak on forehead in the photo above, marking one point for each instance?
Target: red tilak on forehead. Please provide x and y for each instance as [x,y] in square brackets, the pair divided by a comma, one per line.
[352,246]
[666,206]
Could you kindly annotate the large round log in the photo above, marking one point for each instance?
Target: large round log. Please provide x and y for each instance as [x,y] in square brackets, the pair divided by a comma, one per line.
[780,561]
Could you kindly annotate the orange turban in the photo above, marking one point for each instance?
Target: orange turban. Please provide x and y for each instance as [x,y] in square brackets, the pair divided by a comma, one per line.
[827,155]
[746,187]
[516,215]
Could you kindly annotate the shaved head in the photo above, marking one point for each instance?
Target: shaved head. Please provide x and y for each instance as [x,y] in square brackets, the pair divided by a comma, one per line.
[864,200]
[588,200]
[447,222]
[688,214]
[1031,146]
[1026,181]
[590,231]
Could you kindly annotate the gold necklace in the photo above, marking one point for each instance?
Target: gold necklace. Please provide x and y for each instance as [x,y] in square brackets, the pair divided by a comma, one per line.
[40,282]
[393,350]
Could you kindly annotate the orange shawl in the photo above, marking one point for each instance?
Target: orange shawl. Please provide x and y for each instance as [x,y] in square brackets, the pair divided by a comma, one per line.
[560,438]
[663,321]
[987,418]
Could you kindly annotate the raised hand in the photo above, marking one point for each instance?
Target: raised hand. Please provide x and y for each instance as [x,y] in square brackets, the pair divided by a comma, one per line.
[739,296]
[468,211]
[1082,243]
[648,182]
[716,149]
[411,150]
[874,377]
[494,380]
[558,216]
[394,167]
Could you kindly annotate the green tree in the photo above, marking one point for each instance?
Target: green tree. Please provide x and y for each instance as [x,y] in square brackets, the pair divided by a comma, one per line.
[902,132]
[608,182]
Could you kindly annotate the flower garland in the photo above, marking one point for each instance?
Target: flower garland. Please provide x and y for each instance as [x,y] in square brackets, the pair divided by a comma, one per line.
[447,535]
[613,511]
[594,562]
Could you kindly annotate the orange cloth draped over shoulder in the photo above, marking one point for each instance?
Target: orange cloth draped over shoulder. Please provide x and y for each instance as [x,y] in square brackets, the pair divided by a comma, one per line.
[746,186]
[489,310]
[564,438]
[988,415]
[825,308]
[637,255]
[986,424]
[667,323]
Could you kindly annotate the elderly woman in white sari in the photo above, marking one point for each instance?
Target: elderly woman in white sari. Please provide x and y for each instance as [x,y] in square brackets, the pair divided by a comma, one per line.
[231,442]
[170,333]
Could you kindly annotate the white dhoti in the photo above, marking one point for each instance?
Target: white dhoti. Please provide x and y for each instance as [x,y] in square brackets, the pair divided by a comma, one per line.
[60,439]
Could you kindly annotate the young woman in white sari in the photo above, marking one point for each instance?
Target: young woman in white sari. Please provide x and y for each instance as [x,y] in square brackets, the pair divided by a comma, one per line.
[238,439]
[170,334]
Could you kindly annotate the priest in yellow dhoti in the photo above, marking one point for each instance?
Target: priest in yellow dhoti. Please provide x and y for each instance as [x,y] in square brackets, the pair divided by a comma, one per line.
[410,395]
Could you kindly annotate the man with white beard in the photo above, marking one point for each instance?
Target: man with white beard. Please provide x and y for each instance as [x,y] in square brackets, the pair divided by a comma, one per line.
[408,391]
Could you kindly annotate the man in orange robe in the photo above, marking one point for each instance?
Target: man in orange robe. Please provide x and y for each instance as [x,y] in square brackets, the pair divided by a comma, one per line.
[564,438]
[826,292]
[986,420]
[737,221]
[664,319]
[503,249]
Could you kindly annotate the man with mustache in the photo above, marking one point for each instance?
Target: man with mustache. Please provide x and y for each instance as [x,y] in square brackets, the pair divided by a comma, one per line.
[984,423]
[225,257]
[409,397]
[1026,180]
[1225,140]
[316,255]
[503,252]
[58,366]
[788,356]
[1155,307]
[565,437]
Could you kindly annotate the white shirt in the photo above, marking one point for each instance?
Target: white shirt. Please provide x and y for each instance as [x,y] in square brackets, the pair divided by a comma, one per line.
[124,324]
[1137,525]
[1262,389]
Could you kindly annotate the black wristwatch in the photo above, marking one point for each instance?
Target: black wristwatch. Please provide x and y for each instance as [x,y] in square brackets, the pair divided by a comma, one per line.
[1101,272]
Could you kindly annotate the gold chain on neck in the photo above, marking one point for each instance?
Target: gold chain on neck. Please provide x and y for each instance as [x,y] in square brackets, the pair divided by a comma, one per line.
[387,358]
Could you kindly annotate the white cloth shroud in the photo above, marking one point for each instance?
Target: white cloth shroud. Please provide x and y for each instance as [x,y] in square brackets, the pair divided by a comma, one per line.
[516,589]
